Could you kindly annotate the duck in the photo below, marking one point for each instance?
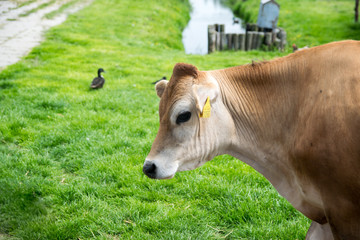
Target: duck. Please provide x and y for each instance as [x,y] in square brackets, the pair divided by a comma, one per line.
[163,78]
[99,81]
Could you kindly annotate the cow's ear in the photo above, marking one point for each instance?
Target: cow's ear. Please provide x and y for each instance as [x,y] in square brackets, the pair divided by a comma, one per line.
[160,87]
[203,92]
[184,69]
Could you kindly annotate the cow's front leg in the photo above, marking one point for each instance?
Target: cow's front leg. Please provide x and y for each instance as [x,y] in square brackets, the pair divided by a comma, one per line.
[319,232]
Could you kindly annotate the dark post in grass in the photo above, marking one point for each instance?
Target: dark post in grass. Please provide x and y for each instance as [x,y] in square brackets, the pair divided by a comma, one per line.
[229,41]
[211,38]
[242,38]
[356,10]
[249,40]
[223,41]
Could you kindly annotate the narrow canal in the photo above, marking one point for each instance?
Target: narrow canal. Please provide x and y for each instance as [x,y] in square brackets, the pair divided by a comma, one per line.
[204,13]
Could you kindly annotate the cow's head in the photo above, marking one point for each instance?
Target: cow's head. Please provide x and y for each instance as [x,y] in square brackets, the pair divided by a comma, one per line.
[187,137]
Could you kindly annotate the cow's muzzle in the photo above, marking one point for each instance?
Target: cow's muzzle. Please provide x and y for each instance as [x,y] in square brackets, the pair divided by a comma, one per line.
[149,169]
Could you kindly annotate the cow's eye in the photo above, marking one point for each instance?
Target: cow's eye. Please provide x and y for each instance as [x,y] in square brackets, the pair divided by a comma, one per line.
[183,117]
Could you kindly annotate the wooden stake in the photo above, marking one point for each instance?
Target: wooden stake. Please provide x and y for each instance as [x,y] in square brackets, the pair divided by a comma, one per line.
[236,42]
[229,41]
[260,40]
[211,38]
[249,40]
[217,42]
[356,10]
[282,39]
[242,38]
[223,41]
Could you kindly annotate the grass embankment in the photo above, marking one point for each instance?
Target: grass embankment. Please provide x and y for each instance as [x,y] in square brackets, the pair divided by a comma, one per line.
[71,158]
[307,22]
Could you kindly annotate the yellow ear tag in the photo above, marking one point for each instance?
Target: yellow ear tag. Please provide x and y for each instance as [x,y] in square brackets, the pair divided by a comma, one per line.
[207,109]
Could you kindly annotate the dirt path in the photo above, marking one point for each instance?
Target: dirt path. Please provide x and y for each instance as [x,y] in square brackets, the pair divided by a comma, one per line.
[22,26]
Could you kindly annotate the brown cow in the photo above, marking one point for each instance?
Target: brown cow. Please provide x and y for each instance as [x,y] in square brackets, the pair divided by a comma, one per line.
[295,119]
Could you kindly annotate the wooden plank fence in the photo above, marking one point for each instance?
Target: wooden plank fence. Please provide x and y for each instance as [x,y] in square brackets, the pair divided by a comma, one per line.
[254,38]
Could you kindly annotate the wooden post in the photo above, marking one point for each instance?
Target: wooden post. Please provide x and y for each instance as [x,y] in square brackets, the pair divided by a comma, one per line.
[242,38]
[211,38]
[233,40]
[256,37]
[223,41]
[248,27]
[282,36]
[222,28]
[219,28]
[260,40]
[277,43]
[229,41]
[236,42]
[218,39]
[252,27]
[268,38]
[356,10]
[249,39]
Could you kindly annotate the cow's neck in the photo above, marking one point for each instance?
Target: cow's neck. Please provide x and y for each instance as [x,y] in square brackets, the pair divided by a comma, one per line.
[261,100]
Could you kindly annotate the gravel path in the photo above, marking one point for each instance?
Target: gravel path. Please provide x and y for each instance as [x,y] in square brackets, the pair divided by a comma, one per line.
[22,27]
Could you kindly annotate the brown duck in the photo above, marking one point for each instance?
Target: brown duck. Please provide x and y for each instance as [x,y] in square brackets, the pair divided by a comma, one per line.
[99,81]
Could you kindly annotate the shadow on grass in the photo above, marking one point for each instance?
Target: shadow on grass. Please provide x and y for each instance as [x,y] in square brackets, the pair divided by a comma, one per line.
[6,85]
[17,199]
[352,31]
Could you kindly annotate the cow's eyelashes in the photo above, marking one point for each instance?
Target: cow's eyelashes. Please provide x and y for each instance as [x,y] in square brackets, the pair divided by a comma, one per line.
[183,117]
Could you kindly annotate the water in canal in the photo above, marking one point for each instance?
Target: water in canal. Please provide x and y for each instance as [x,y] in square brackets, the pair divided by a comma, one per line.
[204,13]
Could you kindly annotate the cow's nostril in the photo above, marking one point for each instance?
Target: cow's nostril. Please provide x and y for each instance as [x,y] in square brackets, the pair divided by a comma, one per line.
[149,169]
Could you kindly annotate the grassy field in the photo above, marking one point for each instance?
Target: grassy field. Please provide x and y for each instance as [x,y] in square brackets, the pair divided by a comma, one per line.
[71,158]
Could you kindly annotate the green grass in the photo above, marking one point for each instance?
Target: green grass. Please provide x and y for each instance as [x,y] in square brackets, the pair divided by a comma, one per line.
[71,159]
[61,9]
